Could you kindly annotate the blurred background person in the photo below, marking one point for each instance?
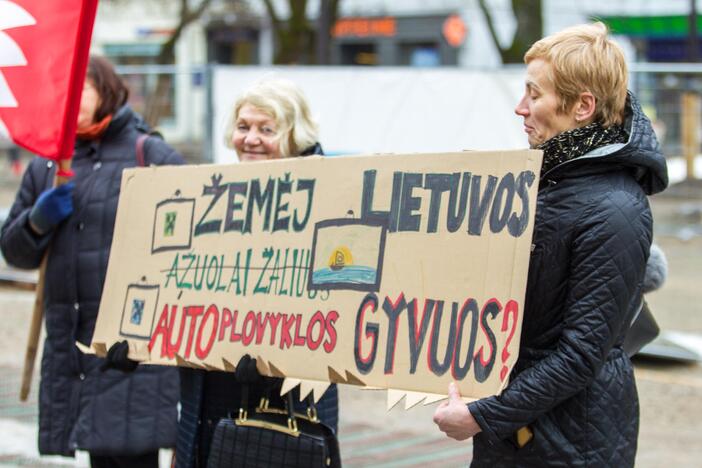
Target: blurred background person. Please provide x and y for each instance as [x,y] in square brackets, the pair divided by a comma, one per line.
[571,399]
[13,157]
[120,419]
[13,154]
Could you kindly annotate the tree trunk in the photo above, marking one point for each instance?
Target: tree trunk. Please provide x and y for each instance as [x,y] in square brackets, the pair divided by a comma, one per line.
[153,109]
[327,17]
[295,38]
[528,14]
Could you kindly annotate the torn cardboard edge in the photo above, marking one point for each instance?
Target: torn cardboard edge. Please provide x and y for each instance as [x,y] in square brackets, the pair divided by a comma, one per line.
[84,349]
[412,399]
[183,363]
[139,352]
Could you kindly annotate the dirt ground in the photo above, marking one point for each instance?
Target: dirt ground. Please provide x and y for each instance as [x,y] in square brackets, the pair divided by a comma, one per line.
[670,393]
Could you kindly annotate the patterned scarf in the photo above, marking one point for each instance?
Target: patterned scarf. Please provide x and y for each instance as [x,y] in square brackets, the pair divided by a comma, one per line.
[574,143]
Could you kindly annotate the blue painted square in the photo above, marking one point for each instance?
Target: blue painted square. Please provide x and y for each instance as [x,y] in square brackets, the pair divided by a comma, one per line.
[137,311]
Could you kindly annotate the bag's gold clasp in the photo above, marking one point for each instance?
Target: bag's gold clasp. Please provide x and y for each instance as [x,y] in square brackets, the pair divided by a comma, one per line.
[312,414]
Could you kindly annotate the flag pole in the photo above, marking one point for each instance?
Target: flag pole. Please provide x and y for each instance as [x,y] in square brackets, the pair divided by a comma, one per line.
[63,175]
[30,354]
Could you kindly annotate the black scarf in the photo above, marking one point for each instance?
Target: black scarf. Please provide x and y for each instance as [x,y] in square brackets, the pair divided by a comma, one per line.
[574,143]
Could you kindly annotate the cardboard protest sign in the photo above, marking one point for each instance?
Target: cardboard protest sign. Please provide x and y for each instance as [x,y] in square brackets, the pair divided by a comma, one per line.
[393,271]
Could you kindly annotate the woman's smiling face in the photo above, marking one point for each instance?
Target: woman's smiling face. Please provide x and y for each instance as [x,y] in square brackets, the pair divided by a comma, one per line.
[255,136]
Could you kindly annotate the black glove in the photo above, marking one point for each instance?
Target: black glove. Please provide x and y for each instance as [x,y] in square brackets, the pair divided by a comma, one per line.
[246,371]
[117,358]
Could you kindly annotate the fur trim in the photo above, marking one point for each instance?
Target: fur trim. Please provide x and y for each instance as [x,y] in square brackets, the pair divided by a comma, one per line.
[656,270]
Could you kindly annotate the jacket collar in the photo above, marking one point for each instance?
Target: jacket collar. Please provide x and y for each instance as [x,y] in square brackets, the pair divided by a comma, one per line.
[120,121]
[641,154]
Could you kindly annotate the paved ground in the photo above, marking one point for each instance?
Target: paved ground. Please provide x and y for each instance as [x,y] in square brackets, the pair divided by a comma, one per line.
[670,394]
[364,441]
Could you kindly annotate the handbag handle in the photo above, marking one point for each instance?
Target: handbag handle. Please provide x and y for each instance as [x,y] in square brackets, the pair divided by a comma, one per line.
[311,412]
[244,403]
[292,422]
[263,407]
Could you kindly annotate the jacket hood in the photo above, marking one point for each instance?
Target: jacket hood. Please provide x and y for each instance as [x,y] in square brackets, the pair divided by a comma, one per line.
[120,120]
[641,153]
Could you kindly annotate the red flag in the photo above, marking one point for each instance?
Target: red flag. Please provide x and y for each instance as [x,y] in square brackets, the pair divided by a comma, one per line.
[44,46]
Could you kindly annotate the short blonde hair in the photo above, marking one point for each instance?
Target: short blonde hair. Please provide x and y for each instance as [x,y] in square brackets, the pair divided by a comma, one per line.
[285,102]
[583,58]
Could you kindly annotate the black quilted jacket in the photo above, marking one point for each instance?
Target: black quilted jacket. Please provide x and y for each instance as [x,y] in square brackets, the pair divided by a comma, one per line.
[108,413]
[573,385]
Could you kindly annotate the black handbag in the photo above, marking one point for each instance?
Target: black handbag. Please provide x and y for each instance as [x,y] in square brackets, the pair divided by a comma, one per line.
[273,437]
[642,331]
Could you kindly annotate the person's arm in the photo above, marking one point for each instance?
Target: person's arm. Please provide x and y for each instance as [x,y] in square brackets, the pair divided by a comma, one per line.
[26,233]
[608,257]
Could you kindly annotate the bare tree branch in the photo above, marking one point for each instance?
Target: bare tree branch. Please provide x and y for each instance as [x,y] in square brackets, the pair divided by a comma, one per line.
[334,8]
[154,102]
[529,28]
[273,15]
[490,24]
[183,8]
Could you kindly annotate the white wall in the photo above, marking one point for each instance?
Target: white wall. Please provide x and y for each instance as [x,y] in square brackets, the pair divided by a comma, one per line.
[391,110]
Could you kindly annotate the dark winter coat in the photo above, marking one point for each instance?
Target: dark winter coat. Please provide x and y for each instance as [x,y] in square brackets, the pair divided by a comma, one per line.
[573,385]
[80,407]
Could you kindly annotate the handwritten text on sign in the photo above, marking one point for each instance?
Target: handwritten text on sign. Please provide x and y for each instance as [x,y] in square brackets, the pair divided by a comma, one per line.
[402,278]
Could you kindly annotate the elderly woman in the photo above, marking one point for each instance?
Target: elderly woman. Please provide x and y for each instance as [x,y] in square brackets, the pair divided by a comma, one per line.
[271,120]
[571,399]
[120,419]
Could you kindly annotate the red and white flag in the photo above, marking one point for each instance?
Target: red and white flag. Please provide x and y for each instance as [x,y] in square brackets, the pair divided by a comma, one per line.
[44,46]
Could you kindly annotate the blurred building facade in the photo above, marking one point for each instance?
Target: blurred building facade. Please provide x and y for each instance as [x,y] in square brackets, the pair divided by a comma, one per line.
[377,32]
[413,33]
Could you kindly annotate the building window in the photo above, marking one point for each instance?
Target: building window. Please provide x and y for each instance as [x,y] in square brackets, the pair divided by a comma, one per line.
[145,83]
[235,46]
[422,54]
[359,54]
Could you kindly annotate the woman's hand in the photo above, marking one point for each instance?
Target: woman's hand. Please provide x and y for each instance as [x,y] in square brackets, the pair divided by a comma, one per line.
[246,371]
[453,417]
[52,207]
[118,358]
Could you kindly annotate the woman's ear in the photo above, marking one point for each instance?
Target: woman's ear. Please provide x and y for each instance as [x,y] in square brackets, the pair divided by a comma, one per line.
[585,107]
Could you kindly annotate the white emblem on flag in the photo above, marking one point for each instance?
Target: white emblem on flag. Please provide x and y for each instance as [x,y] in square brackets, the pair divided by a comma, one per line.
[11,16]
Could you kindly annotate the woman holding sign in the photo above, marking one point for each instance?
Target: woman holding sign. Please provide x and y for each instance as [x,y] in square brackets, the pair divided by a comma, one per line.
[120,419]
[271,120]
[571,399]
